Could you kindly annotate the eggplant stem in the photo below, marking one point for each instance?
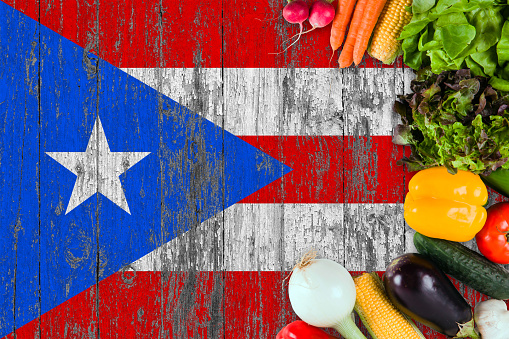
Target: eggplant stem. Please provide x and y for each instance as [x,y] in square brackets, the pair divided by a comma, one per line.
[467,330]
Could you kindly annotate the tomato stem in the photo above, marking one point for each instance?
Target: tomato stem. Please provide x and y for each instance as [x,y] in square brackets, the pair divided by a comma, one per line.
[503,232]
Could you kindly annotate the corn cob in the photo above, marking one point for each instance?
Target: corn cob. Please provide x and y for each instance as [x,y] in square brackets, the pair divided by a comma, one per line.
[384,44]
[382,319]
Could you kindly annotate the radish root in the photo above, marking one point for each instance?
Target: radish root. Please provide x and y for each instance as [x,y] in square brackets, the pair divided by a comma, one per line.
[300,33]
[330,60]
[262,20]
[293,43]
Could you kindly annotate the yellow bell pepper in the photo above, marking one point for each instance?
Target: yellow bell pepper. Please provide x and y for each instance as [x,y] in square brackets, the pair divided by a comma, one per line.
[446,206]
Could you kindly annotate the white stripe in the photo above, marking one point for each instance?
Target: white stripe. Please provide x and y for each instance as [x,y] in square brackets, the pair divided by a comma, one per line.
[271,237]
[273,101]
[267,237]
[287,102]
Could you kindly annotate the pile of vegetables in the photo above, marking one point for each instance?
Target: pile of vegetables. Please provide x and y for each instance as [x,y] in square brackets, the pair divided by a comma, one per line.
[445,209]
[442,34]
[456,122]
[415,286]
[451,35]
[372,25]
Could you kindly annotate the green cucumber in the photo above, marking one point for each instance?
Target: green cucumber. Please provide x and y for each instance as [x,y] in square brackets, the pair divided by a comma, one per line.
[467,266]
[498,180]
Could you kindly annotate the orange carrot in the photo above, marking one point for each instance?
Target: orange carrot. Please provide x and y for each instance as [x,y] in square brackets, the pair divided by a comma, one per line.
[346,57]
[370,17]
[341,20]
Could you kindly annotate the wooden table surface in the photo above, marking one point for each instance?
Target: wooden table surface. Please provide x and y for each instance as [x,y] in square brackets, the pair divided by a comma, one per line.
[174,276]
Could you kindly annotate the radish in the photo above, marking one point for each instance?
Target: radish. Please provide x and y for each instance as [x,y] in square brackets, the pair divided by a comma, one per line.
[321,14]
[296,12]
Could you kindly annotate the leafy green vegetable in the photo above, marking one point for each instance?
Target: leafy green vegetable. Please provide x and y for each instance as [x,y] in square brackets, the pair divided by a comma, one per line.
[488,60]
[413,57]
[488,24]
[422,6]
[452,19]
[475,68]
[500,83]
[503,45]
[458,38]
[454,34]
[455,120]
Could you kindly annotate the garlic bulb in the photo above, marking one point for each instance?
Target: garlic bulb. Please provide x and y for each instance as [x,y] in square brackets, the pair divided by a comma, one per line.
[492,319]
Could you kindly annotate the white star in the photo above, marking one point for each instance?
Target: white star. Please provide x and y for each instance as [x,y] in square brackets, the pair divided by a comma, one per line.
[97,169]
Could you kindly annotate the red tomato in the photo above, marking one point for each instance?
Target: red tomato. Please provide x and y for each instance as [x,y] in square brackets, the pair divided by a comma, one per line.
[492,240]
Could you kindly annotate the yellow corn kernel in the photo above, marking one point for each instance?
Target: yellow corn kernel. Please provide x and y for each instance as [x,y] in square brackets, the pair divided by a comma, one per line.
[382,319]
[384,44]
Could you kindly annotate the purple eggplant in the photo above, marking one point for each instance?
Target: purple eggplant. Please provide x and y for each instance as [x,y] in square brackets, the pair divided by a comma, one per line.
[420,290]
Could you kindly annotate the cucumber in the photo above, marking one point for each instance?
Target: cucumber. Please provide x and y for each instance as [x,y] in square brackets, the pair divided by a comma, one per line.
[467,266]
[498,180]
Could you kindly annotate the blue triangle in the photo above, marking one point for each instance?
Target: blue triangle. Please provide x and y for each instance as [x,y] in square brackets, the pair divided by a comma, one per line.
[195,169]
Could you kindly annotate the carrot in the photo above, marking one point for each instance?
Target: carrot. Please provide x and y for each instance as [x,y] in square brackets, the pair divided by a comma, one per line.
[340,22]
[370,17]
[346,57]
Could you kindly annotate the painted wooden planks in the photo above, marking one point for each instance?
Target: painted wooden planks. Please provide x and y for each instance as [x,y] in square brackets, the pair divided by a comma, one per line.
[284,101]
[69,98]
[195,34]
[19,178]
[254,303]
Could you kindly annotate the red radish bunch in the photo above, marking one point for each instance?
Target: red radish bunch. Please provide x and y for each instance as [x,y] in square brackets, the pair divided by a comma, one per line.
[320,14]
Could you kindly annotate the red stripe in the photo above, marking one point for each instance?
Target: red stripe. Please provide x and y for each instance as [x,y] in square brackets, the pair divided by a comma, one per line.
[180,305]
[333,169]
[193,33]
[336,169]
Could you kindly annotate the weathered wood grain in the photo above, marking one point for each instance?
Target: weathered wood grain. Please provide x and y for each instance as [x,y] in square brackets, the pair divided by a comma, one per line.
[201,245]
[314,100]
[375,236]
[196,279]
[67,119]
[266,237]
[19,179]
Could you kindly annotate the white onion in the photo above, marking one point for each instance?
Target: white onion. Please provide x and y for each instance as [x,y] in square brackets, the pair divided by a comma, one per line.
[322,293]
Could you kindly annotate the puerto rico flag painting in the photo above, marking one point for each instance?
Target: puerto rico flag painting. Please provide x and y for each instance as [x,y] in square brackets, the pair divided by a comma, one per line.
[161,170]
